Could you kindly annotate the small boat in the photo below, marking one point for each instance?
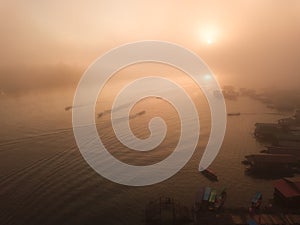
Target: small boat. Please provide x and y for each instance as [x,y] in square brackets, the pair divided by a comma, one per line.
[206,195]
[220,199]
[137,114]
[210,174]
[233,114]
[264,151]
[256,201]
[212,197]
[141,113]
[100,114]
[68,108]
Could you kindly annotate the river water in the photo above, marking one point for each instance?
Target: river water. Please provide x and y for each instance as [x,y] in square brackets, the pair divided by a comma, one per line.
[45,180]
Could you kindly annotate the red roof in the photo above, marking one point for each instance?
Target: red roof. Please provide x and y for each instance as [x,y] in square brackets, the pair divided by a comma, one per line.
[288,188]
[295,181]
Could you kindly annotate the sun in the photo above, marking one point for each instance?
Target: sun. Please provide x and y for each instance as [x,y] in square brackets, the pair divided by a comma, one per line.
[209,41]
[209,35]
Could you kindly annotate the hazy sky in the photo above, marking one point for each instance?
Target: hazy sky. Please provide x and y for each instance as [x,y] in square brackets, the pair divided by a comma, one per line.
[247,42]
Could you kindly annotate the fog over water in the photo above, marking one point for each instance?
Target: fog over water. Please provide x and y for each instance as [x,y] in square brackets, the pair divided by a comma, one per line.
[246,43]
[46,46]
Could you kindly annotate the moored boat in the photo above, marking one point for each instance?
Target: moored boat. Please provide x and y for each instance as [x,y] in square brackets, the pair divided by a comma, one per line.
[210,174]
[234,114]
[220,199]
[209,199]
[256,201]
[213,195]
[206,195]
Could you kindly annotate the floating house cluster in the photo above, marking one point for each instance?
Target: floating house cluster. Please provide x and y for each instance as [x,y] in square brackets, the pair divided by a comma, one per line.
[280,159]
[282,156]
